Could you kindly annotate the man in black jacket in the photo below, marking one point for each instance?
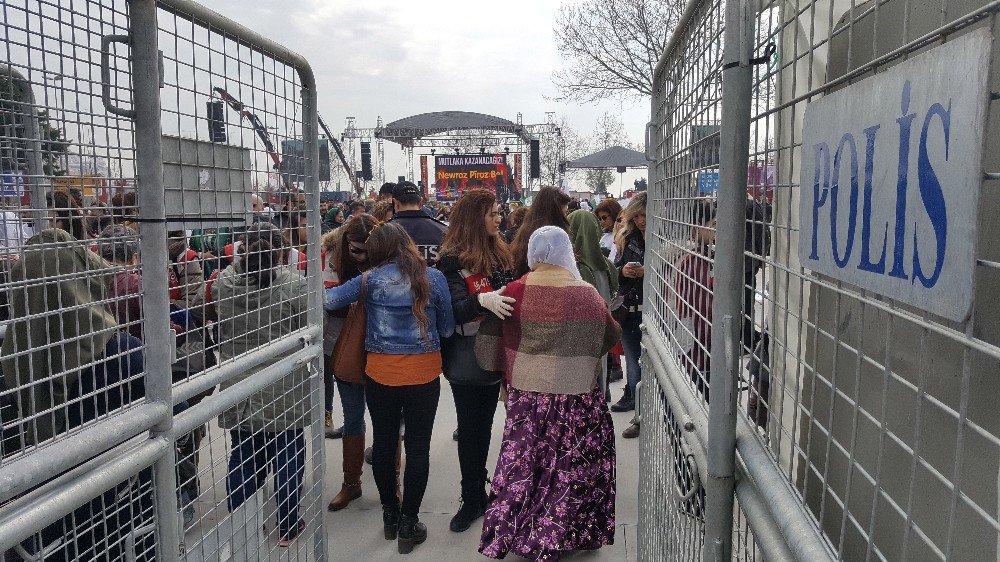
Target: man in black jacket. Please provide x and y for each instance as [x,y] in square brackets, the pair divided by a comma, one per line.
[426,232]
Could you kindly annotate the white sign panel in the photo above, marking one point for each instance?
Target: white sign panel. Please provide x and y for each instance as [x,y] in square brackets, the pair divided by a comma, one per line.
[891,173]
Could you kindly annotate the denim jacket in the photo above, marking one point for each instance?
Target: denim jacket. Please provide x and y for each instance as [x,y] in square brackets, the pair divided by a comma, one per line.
[391,327]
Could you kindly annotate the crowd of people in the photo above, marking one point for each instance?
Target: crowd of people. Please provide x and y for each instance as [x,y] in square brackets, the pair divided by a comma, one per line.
[526,306]
[514,307]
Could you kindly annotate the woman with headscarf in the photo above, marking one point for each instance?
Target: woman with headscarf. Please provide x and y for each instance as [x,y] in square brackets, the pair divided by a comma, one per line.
[334,218]
[594,267]
[554,484]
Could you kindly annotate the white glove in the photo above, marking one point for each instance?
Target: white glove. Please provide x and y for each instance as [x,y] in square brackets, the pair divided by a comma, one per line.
[496,303]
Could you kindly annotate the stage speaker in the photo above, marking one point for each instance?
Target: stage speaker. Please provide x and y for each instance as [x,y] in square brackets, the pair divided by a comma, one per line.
[216,121]
[366,161]
[535,162]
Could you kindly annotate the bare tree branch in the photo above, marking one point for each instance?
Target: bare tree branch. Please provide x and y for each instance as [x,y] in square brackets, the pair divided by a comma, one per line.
[610,47]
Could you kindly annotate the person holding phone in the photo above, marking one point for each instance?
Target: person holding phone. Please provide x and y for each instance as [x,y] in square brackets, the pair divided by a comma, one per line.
[631,245]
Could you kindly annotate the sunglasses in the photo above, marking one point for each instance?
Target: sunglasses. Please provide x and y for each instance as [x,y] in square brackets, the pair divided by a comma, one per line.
[357,251]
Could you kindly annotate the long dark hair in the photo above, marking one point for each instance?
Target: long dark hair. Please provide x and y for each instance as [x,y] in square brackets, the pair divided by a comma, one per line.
[389,242]
[468,240]
[356,229]
[263,247]
[545,210]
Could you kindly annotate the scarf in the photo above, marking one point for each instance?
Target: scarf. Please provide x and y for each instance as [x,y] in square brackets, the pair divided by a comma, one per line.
[586,233]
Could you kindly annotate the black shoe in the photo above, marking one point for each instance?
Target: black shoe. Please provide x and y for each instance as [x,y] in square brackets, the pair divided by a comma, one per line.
[616,375]
[626,404]
[335,433]
[390,521]
[411,532]
[368,456]
[469,512]
[454,435]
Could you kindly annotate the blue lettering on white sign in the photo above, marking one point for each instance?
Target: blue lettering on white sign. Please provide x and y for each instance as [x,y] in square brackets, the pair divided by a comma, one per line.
[891,171]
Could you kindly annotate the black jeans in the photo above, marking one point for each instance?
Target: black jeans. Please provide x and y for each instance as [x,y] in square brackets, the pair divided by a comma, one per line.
[475,407]
[416,405]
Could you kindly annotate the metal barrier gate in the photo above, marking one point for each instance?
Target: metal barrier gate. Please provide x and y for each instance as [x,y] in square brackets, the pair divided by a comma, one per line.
[842,424]
[161,385]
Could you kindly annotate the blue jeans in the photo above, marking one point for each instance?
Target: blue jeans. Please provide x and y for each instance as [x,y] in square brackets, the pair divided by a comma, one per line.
[252,453]
[328,382]
[352,397]
[631,338]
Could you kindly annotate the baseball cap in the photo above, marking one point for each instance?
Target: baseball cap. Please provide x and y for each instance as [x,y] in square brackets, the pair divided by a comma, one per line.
[404,188]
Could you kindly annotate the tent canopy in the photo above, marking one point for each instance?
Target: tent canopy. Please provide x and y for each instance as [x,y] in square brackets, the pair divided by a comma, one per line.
[612,157]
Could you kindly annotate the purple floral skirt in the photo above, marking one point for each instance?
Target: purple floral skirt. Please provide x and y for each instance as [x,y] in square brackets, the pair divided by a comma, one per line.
[554,486]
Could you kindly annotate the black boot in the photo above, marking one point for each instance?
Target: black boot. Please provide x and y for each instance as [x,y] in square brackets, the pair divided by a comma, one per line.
[473,507]
[411,532]
[390,521]
[626,404]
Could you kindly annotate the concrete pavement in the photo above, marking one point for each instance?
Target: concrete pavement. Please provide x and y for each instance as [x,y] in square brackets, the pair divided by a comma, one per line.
[355,533]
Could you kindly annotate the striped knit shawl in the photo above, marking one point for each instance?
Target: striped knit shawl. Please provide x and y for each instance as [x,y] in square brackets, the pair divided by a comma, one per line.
[554,341]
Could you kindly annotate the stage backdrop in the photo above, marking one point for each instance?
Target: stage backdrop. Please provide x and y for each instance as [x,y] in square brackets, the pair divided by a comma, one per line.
[454,175]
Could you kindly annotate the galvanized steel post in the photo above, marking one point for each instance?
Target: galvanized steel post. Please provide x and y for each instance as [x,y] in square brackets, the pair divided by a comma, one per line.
[728,287]
[146,80]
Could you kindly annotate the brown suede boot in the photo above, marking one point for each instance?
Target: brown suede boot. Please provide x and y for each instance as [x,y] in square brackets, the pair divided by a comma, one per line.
[354,459]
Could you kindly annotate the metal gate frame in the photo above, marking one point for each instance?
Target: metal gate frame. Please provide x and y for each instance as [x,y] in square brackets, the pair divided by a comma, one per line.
[39,489]
[772,516]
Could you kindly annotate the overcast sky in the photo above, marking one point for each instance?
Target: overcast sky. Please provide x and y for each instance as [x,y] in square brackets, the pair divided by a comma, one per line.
[395,59]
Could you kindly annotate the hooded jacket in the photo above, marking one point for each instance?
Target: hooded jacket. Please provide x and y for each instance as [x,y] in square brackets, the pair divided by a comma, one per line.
[586,234]
[60,325]
[251,316]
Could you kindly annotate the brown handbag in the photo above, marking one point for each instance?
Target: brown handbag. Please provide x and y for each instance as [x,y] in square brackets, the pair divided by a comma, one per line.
[349,356]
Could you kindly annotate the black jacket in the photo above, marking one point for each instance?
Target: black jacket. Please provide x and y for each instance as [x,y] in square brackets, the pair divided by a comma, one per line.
[631,287]
[426,232]
[464,304]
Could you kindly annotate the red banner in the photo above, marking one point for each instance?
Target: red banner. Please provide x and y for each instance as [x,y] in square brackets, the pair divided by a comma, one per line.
[517,173]
[423,174]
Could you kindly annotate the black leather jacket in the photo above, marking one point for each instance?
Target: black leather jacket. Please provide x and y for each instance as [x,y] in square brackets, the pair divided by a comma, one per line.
[631,287]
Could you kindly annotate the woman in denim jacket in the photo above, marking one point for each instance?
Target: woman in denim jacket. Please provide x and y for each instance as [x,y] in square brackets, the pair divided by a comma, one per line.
[408,310]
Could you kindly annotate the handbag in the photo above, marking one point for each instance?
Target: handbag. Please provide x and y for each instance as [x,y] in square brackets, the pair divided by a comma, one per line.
[349,355]
[618,309]
[459,363]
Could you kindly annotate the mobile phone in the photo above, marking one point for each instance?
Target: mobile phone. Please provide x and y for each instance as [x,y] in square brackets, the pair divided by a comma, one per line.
[634,264]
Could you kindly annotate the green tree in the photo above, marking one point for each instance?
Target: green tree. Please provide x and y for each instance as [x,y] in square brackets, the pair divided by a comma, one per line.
[599,179]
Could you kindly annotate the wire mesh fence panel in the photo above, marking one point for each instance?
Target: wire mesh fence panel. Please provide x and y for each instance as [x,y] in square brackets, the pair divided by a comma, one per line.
[72,353]
[879,413]
[873,399]
[205,280]
[671,506]
[684,142]
[236,181]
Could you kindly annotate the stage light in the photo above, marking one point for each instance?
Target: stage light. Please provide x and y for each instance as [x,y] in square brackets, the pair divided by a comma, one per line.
[433,151]
[506,149]
[482,150]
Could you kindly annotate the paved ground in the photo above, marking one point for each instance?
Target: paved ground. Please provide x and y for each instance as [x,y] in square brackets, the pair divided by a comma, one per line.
[356,532]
